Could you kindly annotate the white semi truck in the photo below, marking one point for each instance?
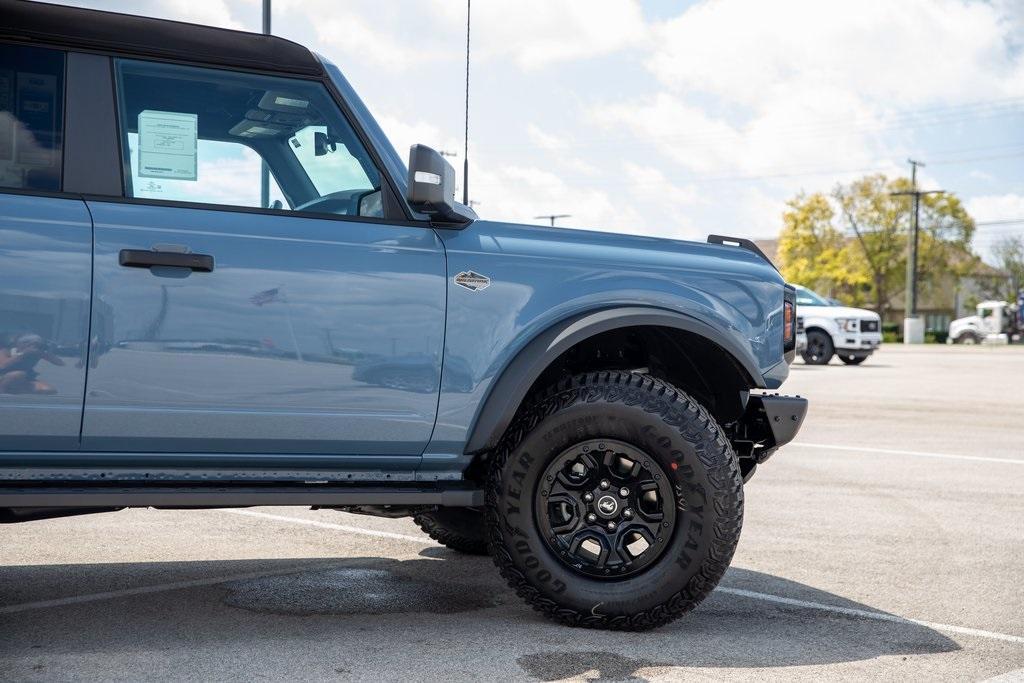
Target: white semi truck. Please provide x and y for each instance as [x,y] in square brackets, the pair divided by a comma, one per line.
[993,321]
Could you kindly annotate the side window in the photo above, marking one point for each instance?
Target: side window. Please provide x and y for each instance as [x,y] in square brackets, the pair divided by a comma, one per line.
[203,135]
[31,117]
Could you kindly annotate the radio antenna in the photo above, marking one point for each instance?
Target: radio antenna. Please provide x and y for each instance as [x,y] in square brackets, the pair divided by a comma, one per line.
[465,153]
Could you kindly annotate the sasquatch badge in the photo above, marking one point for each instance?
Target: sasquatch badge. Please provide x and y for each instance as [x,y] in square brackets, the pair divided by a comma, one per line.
[472,281]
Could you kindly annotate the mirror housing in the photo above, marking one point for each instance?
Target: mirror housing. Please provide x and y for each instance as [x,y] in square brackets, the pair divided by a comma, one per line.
[322,144]
[432,188]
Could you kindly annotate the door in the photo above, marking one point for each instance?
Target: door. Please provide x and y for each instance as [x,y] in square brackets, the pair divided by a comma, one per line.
[45,253]
[313,331]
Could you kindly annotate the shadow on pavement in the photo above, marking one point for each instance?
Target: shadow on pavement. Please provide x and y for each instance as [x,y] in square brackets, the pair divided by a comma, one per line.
[347,609]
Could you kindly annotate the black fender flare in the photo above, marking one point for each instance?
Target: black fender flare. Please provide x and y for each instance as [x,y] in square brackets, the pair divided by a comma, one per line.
[509,390]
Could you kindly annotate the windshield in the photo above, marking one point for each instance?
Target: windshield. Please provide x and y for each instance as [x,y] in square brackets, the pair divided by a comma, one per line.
[805,297]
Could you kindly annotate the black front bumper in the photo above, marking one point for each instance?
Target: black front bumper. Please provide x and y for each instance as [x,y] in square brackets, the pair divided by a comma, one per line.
[769,421]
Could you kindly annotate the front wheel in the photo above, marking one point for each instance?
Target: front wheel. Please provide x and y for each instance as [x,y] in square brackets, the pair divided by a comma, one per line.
[614,502]
[851,359]
[819,349]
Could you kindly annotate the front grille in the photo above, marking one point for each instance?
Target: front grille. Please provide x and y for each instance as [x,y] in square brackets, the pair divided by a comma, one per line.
[799,325]
[869,326]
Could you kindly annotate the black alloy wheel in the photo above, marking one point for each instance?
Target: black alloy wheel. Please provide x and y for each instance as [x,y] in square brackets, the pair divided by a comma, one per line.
[605,509]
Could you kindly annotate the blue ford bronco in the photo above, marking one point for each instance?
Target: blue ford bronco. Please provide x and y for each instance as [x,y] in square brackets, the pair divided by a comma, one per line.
[181,328]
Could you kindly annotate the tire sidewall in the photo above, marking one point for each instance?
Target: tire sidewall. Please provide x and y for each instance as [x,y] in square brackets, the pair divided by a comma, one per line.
[687,445]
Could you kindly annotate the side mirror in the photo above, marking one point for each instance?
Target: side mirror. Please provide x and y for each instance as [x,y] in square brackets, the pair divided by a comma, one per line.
[432,188]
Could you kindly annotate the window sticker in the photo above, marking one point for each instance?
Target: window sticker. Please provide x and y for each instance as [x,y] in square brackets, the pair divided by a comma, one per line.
[167,145]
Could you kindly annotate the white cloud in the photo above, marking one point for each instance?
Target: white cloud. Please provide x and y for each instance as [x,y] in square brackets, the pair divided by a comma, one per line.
[996,207]
[210,12]
[356,36]
[519,193]
[404,135]
[535,33]
[907,53]
[545,141]
[666,124]
[650,184]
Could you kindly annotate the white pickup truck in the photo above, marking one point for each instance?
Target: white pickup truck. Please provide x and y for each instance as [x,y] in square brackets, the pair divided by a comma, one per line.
[831,329]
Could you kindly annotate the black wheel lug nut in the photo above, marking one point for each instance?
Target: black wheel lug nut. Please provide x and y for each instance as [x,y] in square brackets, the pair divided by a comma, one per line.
[623,492]
[591,518]
[587,497]
[604,484]
[611,526]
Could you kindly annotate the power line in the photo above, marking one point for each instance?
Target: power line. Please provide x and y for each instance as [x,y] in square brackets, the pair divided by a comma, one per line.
[824,128]
[1003,221]
[785,174]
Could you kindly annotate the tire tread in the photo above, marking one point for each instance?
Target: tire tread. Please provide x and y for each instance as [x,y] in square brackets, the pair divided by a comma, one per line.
[695,424]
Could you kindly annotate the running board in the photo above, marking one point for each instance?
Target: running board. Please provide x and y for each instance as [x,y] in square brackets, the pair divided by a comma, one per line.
[235,496]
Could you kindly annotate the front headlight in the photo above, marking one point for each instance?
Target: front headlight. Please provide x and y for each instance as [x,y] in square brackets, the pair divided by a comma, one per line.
[847,324]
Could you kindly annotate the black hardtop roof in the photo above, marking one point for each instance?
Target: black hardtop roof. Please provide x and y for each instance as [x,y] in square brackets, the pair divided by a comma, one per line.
[88,29]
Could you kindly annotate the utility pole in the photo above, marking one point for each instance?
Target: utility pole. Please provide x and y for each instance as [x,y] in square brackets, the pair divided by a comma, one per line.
[552,217]
[264,169]
[913,326]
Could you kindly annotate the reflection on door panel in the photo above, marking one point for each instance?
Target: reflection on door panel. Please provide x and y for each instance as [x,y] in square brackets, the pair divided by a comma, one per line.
[44,320]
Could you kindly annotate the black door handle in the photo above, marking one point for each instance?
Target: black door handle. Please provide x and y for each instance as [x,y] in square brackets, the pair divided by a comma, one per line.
[144,258]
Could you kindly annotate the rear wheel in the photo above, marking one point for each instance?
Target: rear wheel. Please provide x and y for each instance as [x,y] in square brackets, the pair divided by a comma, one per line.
[614,502]
[968,338]
[819,349]
[460,529]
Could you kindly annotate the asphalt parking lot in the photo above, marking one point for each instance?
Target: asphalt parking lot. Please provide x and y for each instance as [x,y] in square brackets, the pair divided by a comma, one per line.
[888,542]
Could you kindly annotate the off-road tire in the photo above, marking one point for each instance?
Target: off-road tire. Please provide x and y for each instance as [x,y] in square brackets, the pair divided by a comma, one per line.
[460,529]
[686,443]
[819,349]
[851,359]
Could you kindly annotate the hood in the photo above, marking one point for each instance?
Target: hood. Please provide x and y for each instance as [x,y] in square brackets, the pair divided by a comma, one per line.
[597,247]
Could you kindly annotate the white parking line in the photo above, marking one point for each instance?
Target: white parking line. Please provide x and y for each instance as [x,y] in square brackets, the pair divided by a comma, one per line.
[877,616]
[893,451]
[422,540]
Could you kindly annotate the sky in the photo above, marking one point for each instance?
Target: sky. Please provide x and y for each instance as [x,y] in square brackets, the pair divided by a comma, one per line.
[679,119]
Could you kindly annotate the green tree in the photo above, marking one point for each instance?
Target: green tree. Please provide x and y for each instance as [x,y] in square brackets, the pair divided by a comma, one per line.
[1009,257]
[812,250]
[853,242]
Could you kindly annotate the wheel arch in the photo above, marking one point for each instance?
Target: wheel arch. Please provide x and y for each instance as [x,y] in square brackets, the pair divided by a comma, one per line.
[539,359]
